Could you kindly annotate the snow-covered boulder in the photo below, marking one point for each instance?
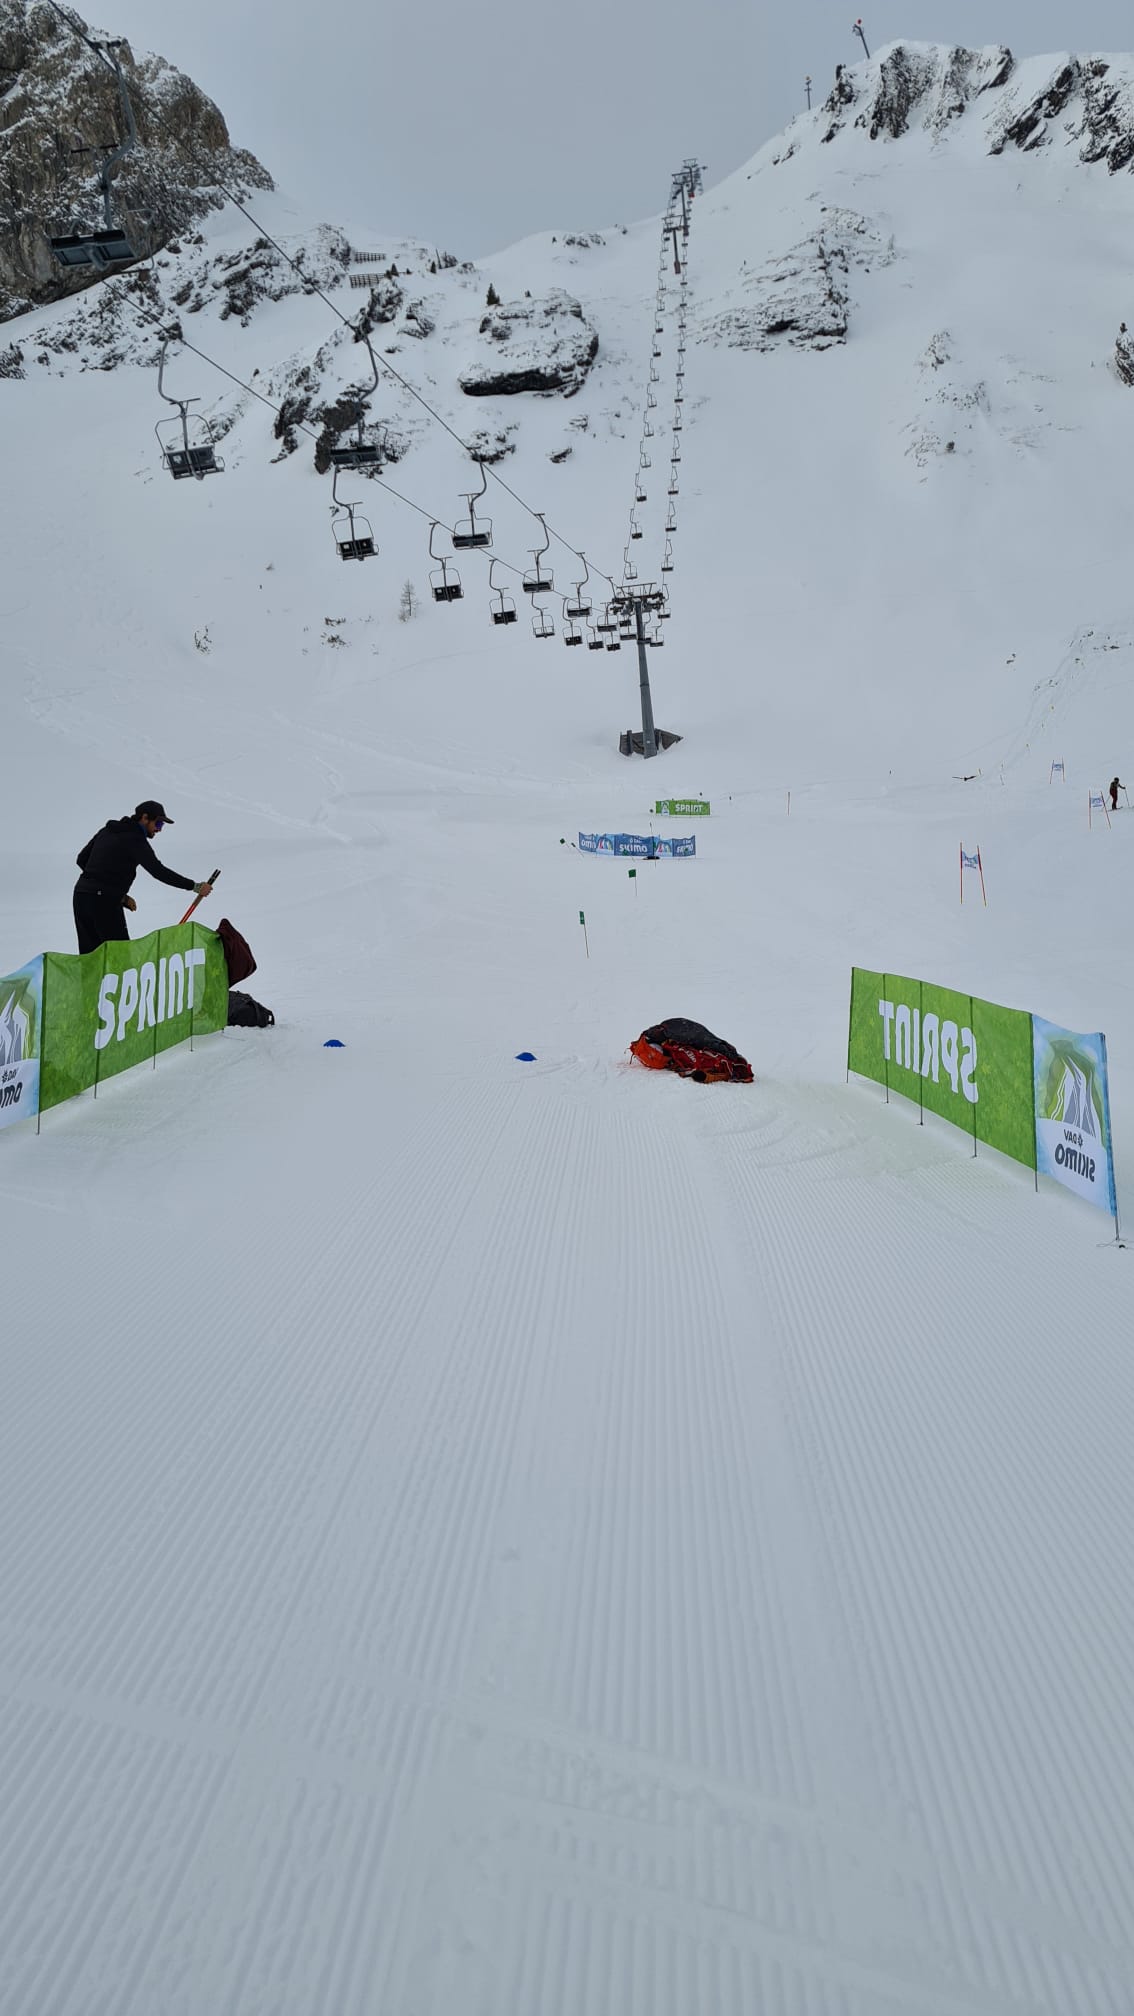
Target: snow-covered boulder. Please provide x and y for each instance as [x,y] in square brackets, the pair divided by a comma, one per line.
[532,346]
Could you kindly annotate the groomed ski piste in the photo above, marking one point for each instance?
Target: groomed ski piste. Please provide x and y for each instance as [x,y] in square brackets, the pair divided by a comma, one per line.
[482,1538]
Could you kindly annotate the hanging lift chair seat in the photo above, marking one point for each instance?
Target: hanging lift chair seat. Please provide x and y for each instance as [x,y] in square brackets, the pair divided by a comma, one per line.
[94,248]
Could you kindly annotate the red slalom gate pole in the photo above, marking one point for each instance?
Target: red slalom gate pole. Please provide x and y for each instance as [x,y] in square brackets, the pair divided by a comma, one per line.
[980,865]
[199,899]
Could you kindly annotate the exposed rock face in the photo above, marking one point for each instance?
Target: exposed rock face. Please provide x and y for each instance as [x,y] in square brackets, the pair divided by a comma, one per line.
[915,83]
[117,321]
[803,297]
[540,346]
[1123,356]
[56,96]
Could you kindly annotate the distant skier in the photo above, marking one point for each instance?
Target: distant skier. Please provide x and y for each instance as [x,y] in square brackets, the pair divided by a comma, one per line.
[1116,785]
[109,863]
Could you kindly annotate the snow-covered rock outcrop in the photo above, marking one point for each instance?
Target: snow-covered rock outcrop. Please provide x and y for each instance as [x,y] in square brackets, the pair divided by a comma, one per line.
[532,346]
[912,86]
[802,296]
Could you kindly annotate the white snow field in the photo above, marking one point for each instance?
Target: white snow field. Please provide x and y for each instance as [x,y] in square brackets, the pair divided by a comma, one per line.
[497,1539]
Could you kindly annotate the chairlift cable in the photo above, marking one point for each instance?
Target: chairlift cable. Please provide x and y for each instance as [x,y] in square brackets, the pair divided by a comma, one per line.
[312,287]
[302,428]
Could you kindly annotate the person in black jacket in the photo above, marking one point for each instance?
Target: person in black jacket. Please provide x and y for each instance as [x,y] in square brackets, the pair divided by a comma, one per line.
[109,863]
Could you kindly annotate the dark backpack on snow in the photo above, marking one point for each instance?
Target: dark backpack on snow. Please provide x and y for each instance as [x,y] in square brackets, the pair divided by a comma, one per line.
[245,1013]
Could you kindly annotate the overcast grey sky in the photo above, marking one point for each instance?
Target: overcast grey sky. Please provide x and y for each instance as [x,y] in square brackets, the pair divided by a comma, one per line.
[470,125]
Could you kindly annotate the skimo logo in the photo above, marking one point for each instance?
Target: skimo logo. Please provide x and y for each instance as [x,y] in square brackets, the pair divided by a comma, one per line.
[928,1046]
[15,1028]
[152,993]
[1073,1102]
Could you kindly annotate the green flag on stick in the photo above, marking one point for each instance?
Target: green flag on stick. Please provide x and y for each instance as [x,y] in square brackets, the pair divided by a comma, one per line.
[586,940]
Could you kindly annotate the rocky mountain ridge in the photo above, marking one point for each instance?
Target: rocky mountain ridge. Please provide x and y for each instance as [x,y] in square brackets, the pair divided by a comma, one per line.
[1087,100]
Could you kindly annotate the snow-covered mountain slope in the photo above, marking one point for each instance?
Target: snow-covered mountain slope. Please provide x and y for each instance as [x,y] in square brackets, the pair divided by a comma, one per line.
[512,1537]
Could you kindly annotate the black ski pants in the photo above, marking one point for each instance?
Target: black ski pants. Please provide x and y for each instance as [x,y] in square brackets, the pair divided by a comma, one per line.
[99,917]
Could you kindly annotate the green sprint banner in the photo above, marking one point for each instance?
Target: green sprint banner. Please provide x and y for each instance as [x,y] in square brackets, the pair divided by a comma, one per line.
[682,808]
[1036,1092]
[104,1011]
[1072,1108]
[964,1059]
[21,1015]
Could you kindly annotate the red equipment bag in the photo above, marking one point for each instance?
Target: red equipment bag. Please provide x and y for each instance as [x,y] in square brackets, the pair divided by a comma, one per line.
[237,953]
[692,1051]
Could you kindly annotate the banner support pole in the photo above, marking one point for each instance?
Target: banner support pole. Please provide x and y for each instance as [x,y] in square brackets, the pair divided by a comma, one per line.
[98,1053]
[850,1022]
[972,1023]
[916,1055]
[42,1039]
[1035,1115]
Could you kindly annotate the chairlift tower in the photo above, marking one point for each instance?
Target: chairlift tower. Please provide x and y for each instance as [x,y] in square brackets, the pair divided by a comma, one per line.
[632,605]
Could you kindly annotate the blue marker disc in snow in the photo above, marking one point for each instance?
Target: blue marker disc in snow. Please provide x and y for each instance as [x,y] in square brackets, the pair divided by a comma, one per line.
[525,1057]
[332,1043]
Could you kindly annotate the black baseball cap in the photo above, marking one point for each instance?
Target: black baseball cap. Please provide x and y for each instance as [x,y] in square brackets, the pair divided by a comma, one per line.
[150,809]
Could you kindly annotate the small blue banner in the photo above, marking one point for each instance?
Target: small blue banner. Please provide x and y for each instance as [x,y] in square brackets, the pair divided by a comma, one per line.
[645,846]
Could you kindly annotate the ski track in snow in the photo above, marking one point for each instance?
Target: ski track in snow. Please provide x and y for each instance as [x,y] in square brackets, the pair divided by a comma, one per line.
[543,1623]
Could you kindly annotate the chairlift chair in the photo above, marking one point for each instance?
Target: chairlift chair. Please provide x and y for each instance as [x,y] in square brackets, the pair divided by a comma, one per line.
[572,634]
[504,611]
[639,493]
[184,456]
[359,454]
[614,643]
[542,624]
[635,528]
[109,248]
[535,581]
[651,399]
[671,519]
[606,622]
[581,606]
[667,560]
[594,641]
[467,532]
[353,536]
[445,580]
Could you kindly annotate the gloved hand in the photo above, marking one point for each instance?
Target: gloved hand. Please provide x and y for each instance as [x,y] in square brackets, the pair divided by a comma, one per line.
[203,888]
[128,903]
